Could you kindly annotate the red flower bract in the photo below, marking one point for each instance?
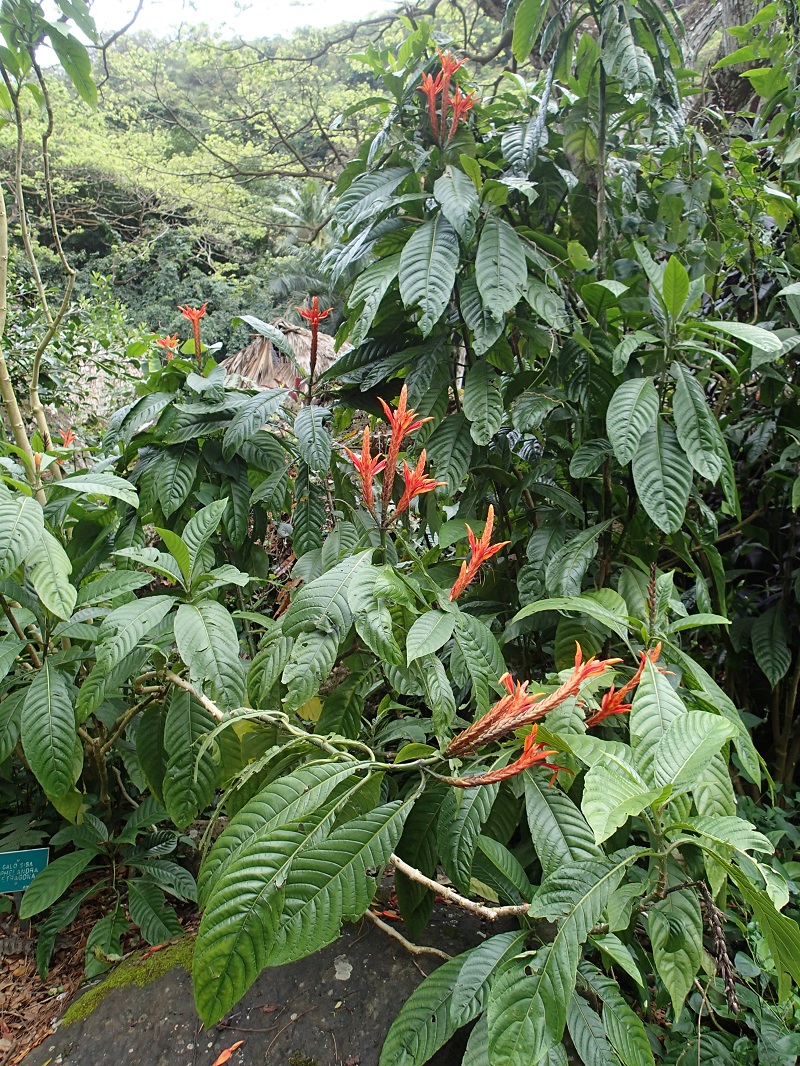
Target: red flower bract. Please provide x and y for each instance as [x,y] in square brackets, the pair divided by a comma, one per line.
[194,314]
[461,103]
[519,708]
[403,421]
[367,467]
[430,88]
[481,550]
[416,483]
[613,701]
[533,753]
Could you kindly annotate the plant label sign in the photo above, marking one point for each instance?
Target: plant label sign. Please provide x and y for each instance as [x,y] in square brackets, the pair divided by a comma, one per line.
[18,868]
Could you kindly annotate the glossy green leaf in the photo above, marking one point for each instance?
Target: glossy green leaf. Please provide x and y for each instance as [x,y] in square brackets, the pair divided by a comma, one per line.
[631,413]
[428,265]
[21,529]
[663,477]
[47,729]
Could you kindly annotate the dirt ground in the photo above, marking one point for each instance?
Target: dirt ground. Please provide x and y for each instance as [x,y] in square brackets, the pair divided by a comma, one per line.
[332,1009]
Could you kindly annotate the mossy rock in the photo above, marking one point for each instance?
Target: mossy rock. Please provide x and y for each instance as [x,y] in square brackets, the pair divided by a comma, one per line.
[140,969]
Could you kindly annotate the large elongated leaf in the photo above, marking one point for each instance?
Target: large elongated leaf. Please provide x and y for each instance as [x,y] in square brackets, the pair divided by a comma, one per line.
[201,527]
[528,24]
[697,429]
[528,1001]
[369,194]
[676,934]
[53,881]
[428,265]
[369,289]
[438,695]
[250,417]
[429,632]
[655,706]
[189,781]
[322,603]
[587,1034]
[500,266]
[21,528]
[480,965]
[631,413]
[559,831]
[50,570]
[463,814]
[688,745]
[417,846]
[295,879]
[624,1029]
[48,731]
[482,657]
[567,568]
[314,441]
[175,474]
[611,797]
[208,644]
[764,339]
[425,1022]
[308,516]
[663,477]
[102,483]
[770,637]
[311,660]
[450,450]
[124,627]
[485,329]
[149,910]
[459,201]
[483,404]
[10,715]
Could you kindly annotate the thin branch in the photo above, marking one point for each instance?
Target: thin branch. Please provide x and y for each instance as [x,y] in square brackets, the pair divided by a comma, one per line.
[37,662]
[414,949]
[491,914]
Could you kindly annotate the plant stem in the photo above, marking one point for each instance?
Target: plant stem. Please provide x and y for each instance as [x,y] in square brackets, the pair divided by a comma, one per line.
[415,949]
[491,914]
[37,662]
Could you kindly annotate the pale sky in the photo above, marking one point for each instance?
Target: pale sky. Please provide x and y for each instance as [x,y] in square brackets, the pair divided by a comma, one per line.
[258,18]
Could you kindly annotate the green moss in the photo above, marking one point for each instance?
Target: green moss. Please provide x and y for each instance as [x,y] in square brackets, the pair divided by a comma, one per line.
[135,970]
[299,1059]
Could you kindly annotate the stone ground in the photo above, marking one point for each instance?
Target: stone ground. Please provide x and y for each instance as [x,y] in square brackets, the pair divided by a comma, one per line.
[332,1009]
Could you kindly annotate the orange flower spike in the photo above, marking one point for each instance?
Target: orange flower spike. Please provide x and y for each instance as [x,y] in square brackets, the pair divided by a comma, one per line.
[461,103]
[312,314]
[449,66]
[613,702]
[481,551]
[416,483]
[367,468]
[403,421]
[533,753]
[430,89]
[67,437]
[194,314]
[520,709]
[169,344]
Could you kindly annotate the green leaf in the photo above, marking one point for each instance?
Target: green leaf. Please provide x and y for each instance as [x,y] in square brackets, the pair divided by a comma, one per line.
[459,201]
[429,632]
[631,413]
[567,568]
[482,657]
[74,58]
[559,831]
[369,289]
[675,288]
[61,916]
[587,1034]
[322,604]
[588,605]
[50,570]
[624,60]
[627,346]
[175,475]
[588,458]
[463,813]
[148,909]
[438,695]
[272,333]
[282,802]
[697,429]
[417,846]
[267,668]
[687,746]
[111,586]
[284,896]
[494,865]
[368,195]
[308,516]
[10,717]
[124,627]
[528,24]
[208,644]
[201,527]
[425,1021]
[610,798]
[310,662]
[21,529]
[663,477]
[624,1028]
[485,329]
[613,948]
[428,265]
[528,1000]
[47,728]
[770,637]
[250,417]
[103,941]
[53,881]
[501,269]
[483,404]
[171,877]
[476,974]
[731,832]
[450,450]
[763,339]
[675,926]
[102,483]
[314,441]
[654,708]
[189,780]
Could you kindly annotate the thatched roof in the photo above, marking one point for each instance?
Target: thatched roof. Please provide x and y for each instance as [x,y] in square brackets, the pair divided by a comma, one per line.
[260,363]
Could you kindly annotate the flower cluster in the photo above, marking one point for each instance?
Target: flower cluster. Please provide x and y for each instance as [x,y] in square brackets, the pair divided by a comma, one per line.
[613,702]
[194,314]
[481,550]
[169,344]
[433,88]
[313,316]
[403,421]
[520,708]
[533,753]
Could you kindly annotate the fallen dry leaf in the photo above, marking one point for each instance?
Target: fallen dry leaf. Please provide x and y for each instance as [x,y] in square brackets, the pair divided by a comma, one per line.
[226,1054]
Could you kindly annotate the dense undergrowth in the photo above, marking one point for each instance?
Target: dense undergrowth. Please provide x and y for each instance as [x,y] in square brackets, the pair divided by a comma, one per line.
[540,627]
